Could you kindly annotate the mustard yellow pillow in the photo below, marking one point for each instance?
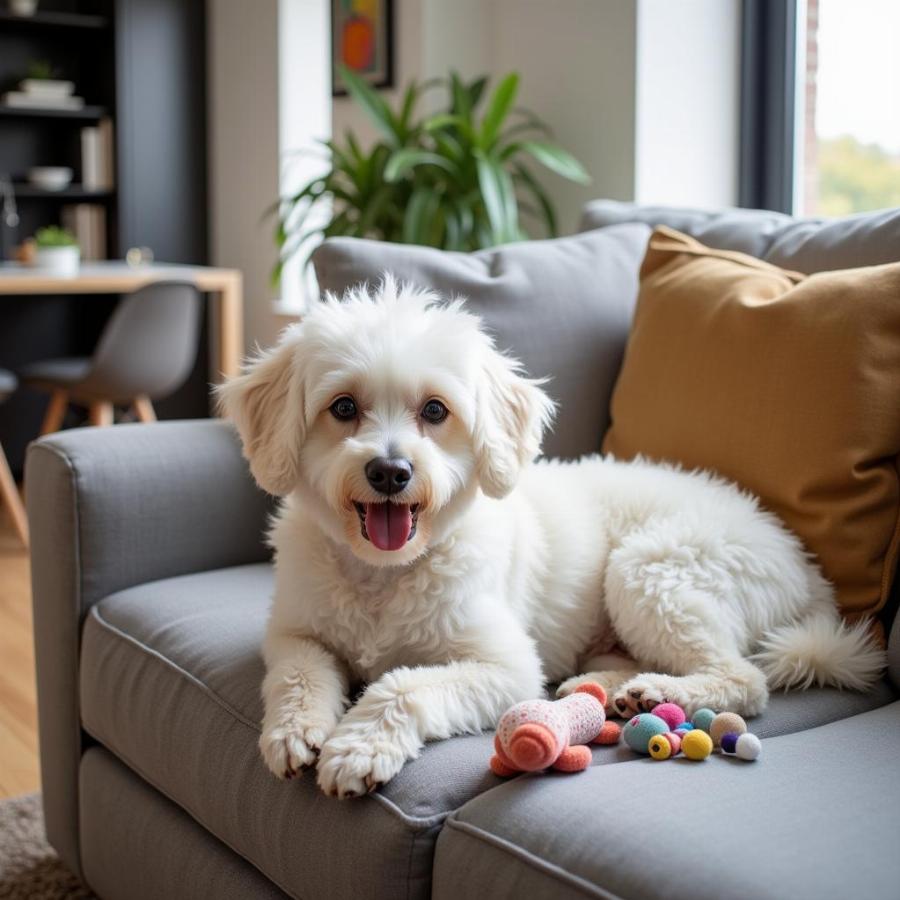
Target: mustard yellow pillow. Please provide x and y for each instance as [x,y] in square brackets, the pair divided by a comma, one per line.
[787,384]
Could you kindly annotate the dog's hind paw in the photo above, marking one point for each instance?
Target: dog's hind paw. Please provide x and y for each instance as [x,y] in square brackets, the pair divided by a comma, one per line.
[609,681]
[644,693]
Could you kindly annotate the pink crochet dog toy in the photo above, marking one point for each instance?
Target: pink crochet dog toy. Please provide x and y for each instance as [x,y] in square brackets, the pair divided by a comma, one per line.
[538,734]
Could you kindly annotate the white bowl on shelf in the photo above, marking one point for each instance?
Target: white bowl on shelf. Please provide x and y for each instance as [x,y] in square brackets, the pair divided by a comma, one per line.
[23,7]
[50,88]
[58,260]
[50,178]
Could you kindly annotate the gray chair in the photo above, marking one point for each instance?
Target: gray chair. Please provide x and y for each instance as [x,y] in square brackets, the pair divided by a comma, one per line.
[9,493]
[146,352]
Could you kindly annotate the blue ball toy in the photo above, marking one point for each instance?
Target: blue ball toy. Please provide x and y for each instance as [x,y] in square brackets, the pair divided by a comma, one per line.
[640,730]
[728,742]
[702,719]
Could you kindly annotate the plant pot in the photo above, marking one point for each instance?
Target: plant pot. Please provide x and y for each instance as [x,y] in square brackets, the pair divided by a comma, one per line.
[23,7]
[58,260]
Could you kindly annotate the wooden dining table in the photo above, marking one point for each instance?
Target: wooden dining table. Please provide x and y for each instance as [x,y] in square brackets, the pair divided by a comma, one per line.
[224,286]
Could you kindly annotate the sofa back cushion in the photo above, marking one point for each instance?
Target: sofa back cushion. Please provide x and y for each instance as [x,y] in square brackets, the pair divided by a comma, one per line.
[803,245]
[563,307]
[787,384]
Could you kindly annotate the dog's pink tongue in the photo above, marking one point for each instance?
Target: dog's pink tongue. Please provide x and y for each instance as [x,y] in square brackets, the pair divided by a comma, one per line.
[388,524]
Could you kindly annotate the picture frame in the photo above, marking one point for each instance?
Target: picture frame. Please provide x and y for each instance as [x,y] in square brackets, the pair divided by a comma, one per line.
[362,39]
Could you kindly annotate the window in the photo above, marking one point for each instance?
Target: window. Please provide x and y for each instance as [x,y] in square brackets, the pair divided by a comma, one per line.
[820,106]
[848,107]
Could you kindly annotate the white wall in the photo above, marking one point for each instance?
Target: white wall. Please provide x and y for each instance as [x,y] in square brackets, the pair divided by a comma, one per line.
[242,47]
[687,102]
[643,92]
[577,62]
[304,119]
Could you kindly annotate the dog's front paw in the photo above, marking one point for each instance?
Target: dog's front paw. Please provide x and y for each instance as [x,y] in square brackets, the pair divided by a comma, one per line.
[351,765]
[288,750]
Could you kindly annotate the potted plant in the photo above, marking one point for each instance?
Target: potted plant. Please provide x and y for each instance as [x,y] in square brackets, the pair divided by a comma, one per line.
[57,250]
[458,179]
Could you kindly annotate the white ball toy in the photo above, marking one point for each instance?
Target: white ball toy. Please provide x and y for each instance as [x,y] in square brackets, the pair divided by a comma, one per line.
[748,746]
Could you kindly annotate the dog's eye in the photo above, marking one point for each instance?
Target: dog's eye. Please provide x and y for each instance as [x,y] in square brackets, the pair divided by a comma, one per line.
[344,409]
[434,411]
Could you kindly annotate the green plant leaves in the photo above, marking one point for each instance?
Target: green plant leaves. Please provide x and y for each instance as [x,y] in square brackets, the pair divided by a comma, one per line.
[402,161]
[523,177]
[419,212]
[557,160]
[370,100]
[498,109]
[499,199]
[450,179]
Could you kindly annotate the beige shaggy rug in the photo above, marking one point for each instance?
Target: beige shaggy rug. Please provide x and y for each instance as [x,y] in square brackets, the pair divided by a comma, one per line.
[29,868]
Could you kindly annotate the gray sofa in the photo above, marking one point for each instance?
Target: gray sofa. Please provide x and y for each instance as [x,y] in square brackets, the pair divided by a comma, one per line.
[151,585]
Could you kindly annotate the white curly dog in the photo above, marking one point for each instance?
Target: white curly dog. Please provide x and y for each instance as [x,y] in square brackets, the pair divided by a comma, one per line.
[420,549]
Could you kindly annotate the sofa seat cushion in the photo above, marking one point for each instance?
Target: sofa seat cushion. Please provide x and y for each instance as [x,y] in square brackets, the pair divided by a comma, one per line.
[170,683]
[722,829]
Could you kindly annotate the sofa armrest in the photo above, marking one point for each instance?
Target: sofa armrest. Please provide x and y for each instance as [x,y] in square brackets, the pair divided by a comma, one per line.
[110,508]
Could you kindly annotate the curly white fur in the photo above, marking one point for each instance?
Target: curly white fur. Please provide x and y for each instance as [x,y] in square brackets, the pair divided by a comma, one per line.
[657,582]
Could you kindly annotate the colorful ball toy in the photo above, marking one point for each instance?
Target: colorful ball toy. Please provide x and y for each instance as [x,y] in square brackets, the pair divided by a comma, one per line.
[665,732]
[726,723]
[702,719]
[671,713]
[662,746]
[641,729]
[697,744]
[744,746]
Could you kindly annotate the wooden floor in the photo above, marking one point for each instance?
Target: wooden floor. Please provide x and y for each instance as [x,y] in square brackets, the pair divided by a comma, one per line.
[19,771]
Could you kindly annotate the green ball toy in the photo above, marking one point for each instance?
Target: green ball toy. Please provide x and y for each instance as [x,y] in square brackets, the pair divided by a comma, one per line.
[702,719]
[642,729]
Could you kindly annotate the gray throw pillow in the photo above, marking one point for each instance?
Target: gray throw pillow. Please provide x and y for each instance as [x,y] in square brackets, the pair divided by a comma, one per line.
[563,307]
[802,245]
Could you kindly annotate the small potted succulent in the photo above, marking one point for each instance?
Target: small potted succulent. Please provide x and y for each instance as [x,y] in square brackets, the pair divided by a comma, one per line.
[57,250]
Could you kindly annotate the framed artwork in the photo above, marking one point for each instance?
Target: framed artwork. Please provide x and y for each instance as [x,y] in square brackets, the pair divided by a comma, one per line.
[362,40]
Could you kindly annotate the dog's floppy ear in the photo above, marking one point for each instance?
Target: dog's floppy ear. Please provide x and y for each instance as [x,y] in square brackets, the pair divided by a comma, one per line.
[266,404]
[511,415]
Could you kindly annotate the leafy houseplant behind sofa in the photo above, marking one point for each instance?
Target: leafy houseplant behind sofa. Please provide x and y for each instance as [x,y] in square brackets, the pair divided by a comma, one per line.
[456,179]
[151,593]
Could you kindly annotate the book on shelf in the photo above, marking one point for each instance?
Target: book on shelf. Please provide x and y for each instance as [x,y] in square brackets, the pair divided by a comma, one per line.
[87,221]
[21,100]
[97,172]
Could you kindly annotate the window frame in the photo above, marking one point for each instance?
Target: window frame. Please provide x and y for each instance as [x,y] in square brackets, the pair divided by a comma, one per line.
[768,105]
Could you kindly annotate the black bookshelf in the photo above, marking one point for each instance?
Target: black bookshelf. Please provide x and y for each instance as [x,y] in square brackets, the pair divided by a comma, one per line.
[142,65]
[85,114]
[73,193]
[42,21]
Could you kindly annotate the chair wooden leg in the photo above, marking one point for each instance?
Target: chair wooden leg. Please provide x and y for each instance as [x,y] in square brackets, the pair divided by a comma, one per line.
[10,494]
[143,408]
[101,413]
[56,411]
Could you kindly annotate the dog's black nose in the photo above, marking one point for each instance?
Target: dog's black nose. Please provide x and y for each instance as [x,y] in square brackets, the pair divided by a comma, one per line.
[388,476]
